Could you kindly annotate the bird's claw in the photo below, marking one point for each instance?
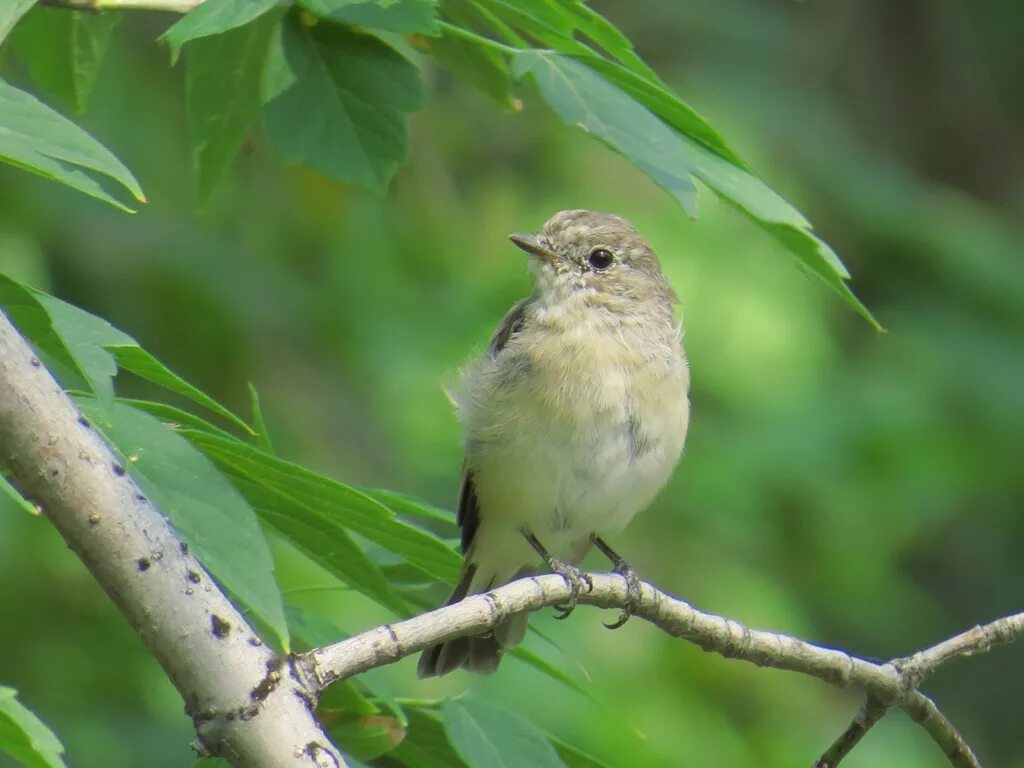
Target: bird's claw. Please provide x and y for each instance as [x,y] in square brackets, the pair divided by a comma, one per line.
[577,581]
[628,572]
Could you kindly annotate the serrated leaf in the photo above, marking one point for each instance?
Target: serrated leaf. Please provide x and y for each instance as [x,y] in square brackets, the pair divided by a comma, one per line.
[582,97]
[205,509]
[488,736]
[10,13]
[338,102]
[213,17]
[222,95]
[38,139]
[133,358]
[63,51]
[24,737]
[607,36]
[402,16]
[345,506]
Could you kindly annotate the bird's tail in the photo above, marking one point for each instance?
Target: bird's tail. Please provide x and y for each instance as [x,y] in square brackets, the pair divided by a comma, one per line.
[479,654]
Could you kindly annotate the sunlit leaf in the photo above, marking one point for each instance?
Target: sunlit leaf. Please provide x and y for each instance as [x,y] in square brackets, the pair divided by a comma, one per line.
[24,737]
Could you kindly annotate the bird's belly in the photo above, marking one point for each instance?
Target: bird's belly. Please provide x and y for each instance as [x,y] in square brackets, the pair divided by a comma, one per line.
[568,467]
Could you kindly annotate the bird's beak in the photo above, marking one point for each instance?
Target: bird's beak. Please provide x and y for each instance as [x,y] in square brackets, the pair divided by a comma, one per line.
[533,245]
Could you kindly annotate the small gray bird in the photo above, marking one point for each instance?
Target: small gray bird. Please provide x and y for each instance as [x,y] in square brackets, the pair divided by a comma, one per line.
[573,419]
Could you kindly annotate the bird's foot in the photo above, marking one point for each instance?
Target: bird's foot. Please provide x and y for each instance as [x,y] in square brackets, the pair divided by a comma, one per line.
[628,572]
[577,581]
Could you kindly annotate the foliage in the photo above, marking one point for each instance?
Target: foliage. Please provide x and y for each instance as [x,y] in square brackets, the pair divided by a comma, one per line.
[863,491]
[336,85]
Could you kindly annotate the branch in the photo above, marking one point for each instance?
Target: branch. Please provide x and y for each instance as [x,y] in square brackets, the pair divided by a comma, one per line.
[889,684]
[247,705]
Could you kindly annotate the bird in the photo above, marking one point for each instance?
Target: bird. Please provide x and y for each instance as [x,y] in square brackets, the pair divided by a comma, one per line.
[573,420]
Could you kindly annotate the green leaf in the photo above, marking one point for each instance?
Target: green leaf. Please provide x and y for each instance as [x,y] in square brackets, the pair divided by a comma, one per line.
[222,95]
[402,16]
[343,505]
[363,737]
[133,358]
[338,102]
[546,667]
[573,757]
[14,495]
[407,506]
[86,337]
[323,541]
[203,506]
[478,64]
[488,736]
[586,100]
[34,137]
[63,51]
[607,36]
[23,735]
[426,744]
[259,425]
[175,418]
[10,13]
[582,97]
[214,17]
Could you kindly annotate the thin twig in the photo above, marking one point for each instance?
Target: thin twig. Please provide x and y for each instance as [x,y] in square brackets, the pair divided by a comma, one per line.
[890,684]
[869,714]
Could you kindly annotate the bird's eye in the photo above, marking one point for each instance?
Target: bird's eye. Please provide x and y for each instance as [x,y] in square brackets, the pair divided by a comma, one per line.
[600,258]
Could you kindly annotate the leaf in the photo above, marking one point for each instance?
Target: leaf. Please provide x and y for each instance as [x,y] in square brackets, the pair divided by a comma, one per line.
[63,51]
[546,667]
[606,35]
[24,737]
[203,506]
[175,418]
[34,137]
[131,357]
[363,737]
[259,425]
[483,67]
[583,98]
[214,17]
[342,504]
[338,101]
[488,736]
[587,101]
[10,13]
[426,744]
[573,757]
[15,496]
[324,542]
[407,506]
[402,16]
[222,95]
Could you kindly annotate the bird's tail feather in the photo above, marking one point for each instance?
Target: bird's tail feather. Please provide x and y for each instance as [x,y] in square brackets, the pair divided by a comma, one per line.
[482,653]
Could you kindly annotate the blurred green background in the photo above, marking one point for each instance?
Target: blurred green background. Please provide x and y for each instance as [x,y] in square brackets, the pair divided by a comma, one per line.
[860,490]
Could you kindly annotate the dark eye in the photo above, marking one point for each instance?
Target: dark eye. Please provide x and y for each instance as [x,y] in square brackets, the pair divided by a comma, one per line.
[600,258]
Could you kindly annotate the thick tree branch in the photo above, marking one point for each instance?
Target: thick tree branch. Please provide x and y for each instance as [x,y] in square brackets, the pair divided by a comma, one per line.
[248,706]
[889,684]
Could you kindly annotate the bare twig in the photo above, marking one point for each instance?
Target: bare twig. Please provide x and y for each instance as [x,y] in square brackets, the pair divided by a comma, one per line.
[916,668]
[889,684]
[247,705]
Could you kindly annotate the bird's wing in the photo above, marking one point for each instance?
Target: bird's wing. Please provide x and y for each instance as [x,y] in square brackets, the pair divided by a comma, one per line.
[468,513]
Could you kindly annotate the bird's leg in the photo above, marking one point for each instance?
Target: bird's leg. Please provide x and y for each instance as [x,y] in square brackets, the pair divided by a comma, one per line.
[573,575]
[626,571]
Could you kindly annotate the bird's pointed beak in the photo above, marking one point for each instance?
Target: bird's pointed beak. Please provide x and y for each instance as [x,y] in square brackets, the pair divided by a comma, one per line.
[533,245]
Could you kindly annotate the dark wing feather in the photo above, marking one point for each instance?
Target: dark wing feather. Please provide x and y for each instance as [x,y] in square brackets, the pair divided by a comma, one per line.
[468,514]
